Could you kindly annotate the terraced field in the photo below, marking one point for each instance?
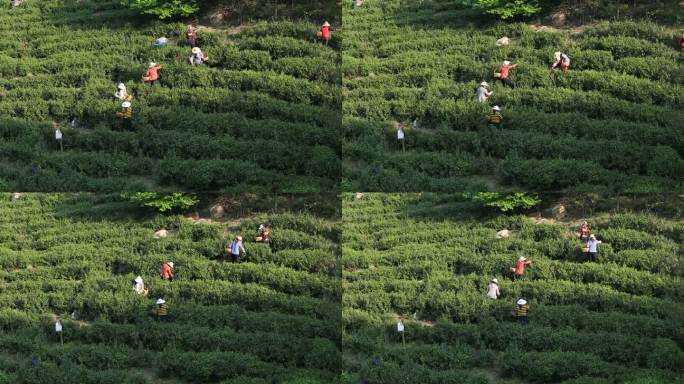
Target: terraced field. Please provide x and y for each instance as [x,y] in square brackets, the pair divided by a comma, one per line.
[262,115]
[430,257]
[612,123]
[273,317]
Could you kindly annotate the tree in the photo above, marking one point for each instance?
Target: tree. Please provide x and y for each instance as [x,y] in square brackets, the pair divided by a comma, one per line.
[163,9]
[505,203]
[505,9]
[170,202]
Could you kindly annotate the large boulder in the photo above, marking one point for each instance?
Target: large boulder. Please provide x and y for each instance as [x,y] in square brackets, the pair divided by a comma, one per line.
[161,233]
[217,211]
[503,41]
[503,233]
[558,211]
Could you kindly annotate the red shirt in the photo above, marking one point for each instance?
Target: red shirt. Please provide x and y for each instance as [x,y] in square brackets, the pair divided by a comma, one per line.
[585,230]
[520,266]
[325,32]
[681,41]
[505,70]
[152,73]
[166,271]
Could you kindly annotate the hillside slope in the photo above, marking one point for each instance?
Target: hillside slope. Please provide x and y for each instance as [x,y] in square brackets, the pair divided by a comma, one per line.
[273,317]
[429,259]
[612,123]
[262,115]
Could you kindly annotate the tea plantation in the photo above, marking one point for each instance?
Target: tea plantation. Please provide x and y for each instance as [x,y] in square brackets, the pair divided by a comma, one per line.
[261,115]
[612,123]
[429,259]
[272,318]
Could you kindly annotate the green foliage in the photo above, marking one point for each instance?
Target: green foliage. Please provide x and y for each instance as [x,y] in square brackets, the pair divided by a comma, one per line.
[274,312]
[612,320]
[167,202]
[163,9]
[506,202]
[505,9]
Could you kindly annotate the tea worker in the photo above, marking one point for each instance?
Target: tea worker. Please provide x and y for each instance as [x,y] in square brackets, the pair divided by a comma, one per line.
[264,234]
[520,265]
[482,93]
[493,289]
[592,246]
[521,310]
[561,59]
[324,33]
[495,119]
[166,272]
[504,71]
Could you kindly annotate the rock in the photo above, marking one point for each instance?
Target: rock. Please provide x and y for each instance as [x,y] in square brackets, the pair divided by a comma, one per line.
[503,41]
[503,233]
[217,211]
[202,221]
[558,211]
[358,196]
[161,233]
[559,19]
[15,196]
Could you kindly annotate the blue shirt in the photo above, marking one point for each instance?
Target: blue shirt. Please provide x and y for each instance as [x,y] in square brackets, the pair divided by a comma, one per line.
[235,247]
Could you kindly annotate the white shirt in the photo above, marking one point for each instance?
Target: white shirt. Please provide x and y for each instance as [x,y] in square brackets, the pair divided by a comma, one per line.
[493,291]
[482,94]
[592,245]
[58,134]
[400,134]
[58,326]
[400,327]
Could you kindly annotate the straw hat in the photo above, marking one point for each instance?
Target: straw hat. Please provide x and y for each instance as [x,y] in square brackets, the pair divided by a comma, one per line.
[593,237]
[496,108]
[239,238]
[160,301]
[522,302]
[326,24]
[196,50]
[126,104]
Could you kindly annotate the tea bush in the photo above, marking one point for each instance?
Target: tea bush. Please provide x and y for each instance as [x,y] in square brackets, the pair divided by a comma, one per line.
[428,258]
[263,114]
[273,317]
[612,123]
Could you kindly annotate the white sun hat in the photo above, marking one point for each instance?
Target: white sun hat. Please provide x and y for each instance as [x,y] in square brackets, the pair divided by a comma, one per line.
[126,104]
[139,279]
[326,24]
[160,301]
[495,280]
[522,302]
[153,64]
[121,86]
[496,108]
[196,50]
[506,62]
[522,258]
[170,263]
[484,84]
[261,226]
[239,238]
